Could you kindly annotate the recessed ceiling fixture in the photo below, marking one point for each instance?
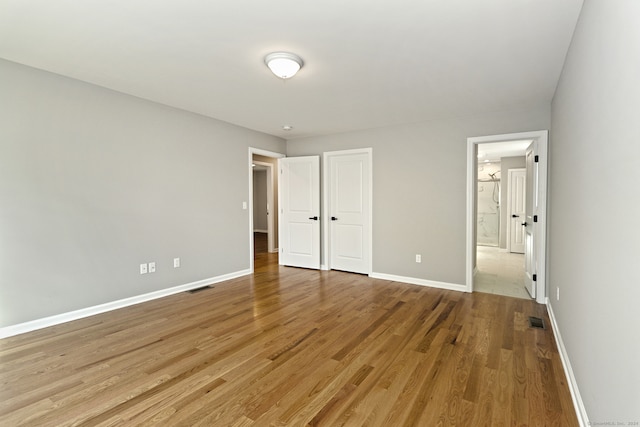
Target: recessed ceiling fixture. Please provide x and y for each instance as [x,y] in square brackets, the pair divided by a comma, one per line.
[283,64]
[287,127]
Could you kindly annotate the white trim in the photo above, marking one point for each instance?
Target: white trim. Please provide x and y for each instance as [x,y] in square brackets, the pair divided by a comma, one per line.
[420,282]
[541,139]
[255,230]
[325,204]
[578,404]
[57,319]
[472,177]
[259,152]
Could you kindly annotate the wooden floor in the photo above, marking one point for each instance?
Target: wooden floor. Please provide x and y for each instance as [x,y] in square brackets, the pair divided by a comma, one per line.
[292,347]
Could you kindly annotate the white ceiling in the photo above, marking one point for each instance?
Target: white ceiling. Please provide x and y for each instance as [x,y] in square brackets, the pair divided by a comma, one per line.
[368,63]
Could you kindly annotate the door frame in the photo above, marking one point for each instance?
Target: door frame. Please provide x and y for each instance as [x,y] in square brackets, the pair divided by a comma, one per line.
[509,207]
[325,262]
[259,152]
[541,141]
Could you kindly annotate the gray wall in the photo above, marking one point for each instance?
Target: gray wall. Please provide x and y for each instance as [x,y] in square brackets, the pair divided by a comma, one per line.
[595,207]
[259,200]
[419,187]
[506,163]
[94,182]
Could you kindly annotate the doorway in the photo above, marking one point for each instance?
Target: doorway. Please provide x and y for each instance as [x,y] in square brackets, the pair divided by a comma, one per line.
[264,208]
[495,208]
[263,204]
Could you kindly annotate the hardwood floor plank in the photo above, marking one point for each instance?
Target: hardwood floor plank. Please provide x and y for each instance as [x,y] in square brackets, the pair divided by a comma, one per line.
[288,346]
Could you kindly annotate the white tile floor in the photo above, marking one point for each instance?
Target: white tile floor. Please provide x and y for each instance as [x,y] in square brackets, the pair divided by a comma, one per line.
[500,273]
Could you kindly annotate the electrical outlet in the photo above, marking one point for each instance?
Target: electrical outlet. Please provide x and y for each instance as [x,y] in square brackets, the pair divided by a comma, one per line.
[557,294]
[152,267]
[176,262]
[418,258]
[143,268]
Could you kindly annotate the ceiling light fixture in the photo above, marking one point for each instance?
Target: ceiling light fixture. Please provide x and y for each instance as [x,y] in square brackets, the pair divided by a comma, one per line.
[283,64]
[287,127]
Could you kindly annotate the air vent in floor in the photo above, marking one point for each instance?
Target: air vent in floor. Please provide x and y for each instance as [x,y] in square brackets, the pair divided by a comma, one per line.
[536,322]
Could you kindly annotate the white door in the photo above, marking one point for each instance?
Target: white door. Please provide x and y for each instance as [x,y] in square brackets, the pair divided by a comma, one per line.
[349,211]
[517,210]
[528,224]
[299,193]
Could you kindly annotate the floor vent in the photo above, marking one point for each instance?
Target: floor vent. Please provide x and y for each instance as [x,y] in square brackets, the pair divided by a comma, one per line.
[536,322]
[204,288]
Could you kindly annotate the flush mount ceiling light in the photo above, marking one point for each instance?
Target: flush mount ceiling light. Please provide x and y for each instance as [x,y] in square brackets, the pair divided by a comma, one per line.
[283,64]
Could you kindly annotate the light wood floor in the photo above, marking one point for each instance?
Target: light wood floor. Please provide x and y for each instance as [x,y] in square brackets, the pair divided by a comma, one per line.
[292,347]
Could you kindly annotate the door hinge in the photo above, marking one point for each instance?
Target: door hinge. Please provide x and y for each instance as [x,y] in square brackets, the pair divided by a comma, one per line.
[535,158]
[535,218]
[535,277]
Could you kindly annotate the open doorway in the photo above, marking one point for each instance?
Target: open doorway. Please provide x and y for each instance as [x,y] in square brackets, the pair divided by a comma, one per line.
[263,205]
[263,208]
[500,209]
[506,214]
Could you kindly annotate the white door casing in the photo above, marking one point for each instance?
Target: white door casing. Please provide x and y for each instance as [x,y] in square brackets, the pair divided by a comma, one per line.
[348,210]
[516,201]
[540,144]
[251,152]
[299,201]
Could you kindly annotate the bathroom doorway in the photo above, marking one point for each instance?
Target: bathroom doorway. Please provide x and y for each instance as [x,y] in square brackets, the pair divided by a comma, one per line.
[500,266]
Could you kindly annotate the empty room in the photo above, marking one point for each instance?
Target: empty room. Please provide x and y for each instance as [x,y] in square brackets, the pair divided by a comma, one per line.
[409,213]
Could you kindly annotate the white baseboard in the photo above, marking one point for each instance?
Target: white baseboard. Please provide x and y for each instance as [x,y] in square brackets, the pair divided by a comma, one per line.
[581,412]
[259,230]
[57,319]
[421,282]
